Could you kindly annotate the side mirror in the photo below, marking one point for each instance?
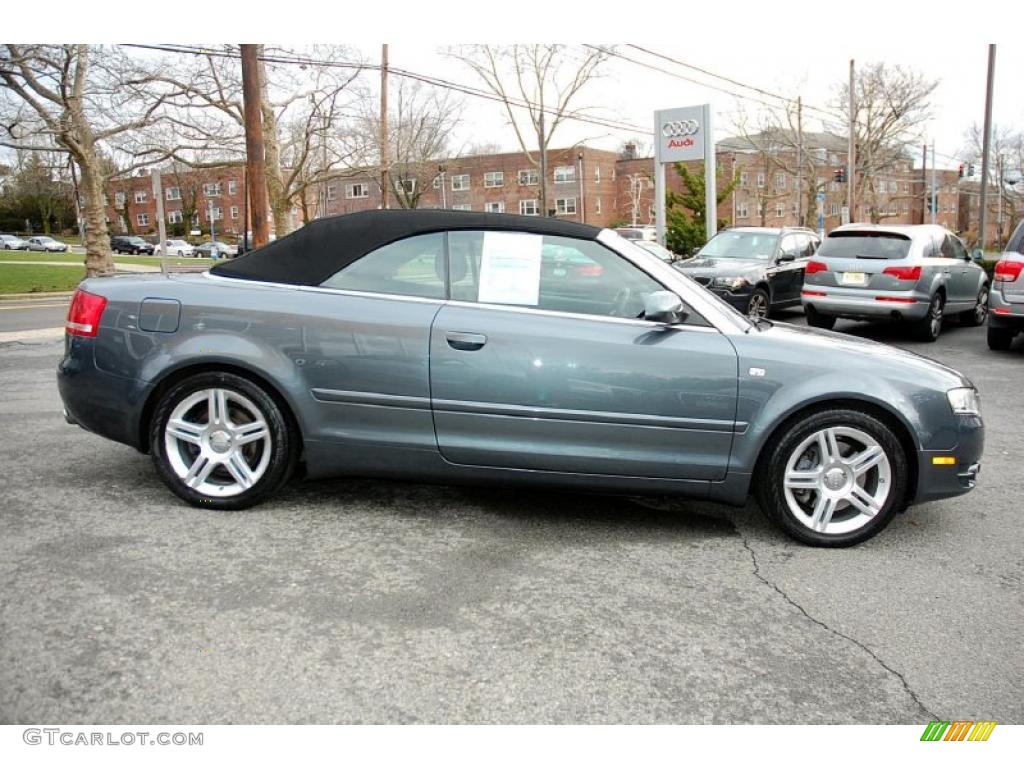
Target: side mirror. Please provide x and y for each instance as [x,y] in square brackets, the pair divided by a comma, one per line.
[978,255]
[664,307]
[786,257]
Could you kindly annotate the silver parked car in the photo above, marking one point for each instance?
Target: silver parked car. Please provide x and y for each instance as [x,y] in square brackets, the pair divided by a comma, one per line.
[13,243]
[46,243]
[1006,299]
[915,274]
[177,248]
[456,346]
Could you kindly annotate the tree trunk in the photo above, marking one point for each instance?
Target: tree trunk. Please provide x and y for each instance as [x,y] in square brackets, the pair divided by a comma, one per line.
[280,208]
[98,258]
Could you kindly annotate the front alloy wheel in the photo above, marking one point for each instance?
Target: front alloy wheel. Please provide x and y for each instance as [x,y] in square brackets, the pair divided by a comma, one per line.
[219,440]
[759,305]
[834,478]
[929,327]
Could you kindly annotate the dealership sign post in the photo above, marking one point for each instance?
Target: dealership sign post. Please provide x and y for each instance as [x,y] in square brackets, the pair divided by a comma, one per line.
[679,135]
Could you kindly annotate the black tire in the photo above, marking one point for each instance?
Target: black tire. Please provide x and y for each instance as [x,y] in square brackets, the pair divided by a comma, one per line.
[284,441]
[929,327]
[817,320]
[1000,339]
[973,318]
[768,482]
[759,305]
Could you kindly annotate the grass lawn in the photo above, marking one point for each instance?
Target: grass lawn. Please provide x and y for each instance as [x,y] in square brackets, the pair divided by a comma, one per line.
[31,278]
[78,258]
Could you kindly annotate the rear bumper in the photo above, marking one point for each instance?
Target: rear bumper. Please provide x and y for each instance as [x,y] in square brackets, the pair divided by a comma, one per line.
[861,304]
[1003,313]
[942,481]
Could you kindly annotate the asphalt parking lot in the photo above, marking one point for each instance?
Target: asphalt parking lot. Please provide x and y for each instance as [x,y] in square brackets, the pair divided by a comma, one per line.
[359,601]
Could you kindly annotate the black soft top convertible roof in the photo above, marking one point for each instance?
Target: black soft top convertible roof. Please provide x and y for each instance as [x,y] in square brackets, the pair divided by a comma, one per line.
[310,255]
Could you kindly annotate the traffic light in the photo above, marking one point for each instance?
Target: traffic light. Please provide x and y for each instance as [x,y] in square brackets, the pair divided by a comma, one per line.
[962,168]
[970,169]
[839,174]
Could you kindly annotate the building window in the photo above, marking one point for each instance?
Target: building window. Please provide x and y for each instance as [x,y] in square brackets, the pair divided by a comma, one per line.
[119,199]
[332,192]
[211,189]
[780,210]
[893,186]
[214,214]
[143,219]
[744,179]
[528,178]
[460,182]
[462,207]
[234,211]
[742,210]
[173,193]
[174,217]
[834,209]
[565,206]
[597,205]
[195,220]
[760,180]
[498,207]
[408,186]
[565,174]
[232,187]
[437,181]
[357,190]
[780,180]
[494,179]
[140,196]
[597,174]
[528,207]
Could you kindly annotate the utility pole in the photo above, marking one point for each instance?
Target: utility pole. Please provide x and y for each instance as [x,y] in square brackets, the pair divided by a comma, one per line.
[924,182]
[255,162]
[851,151]
[935,202]
[583,203]
[209,214]
[385,148]
[986,140]
[543,165]
[799,162]
[999,197]
[158,198]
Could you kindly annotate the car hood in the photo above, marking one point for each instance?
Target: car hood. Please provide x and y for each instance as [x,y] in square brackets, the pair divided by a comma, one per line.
[705,266]
[841,351]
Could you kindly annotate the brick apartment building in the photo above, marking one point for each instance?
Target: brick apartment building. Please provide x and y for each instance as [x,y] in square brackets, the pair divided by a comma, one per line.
[585,184]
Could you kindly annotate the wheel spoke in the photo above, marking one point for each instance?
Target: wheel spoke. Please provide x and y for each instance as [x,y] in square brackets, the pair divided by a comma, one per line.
[802,480]
[863,501]
[828,446]
[239,469]
[199,471]
[217,402]
[870,457]
[251,432]
[824,508]
[185,431]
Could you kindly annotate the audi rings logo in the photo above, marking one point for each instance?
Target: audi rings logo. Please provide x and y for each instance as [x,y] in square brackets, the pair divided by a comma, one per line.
[675,129]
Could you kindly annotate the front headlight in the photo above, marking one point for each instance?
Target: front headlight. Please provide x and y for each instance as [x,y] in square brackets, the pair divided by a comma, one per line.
[731,283]
[964,400]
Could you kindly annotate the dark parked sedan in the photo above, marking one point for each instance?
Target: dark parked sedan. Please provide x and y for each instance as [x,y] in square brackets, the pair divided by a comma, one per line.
[130,244]
[466,347]
[755,269]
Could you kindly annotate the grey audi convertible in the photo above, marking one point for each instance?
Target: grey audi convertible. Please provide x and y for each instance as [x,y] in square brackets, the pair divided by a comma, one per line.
[466,347]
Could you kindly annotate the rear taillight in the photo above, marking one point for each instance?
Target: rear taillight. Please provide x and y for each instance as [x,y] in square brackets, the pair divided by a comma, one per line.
[903,273]
[84,314]
[814,267]
[591,270]
[1008,271]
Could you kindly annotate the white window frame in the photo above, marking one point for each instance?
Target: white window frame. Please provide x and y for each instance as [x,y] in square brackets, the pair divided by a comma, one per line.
[597,205]
[361,186]
[597,174]
[332,192]
[565,206]
[175,217]
[408,186]
[142,219]
[495,207]
[173,193]
[462,207]
[494,179]
[744,179]
[780,179]
[529,203]
[217,214]
[565,174]
[528,177]
[140,196]
[234,211]
[232,187]
[760,181]
[742,210]
[212,189]
[460,182]
[780,210]
[119,198]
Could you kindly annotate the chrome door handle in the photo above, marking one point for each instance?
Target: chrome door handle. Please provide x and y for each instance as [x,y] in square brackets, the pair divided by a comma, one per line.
[465,342]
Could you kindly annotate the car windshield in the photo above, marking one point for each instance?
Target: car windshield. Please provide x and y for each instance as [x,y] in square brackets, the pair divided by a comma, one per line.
[46,240]
[740,245]
[865,245]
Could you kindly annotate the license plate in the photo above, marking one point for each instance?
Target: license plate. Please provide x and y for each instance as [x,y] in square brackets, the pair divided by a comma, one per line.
[559,272]
[854,278]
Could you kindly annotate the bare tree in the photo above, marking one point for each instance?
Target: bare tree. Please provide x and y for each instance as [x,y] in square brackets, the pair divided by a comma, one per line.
[892,107]
[760,136]
[79,98]
[538,85]
[1006,146]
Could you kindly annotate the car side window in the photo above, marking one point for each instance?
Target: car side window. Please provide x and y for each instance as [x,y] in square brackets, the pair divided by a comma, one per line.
[559,274]
[414,266]
[959,252]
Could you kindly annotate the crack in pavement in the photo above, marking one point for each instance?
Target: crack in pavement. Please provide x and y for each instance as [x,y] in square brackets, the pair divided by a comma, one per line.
[836,632]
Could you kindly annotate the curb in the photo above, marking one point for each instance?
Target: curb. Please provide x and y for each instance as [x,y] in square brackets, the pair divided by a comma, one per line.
[41,295]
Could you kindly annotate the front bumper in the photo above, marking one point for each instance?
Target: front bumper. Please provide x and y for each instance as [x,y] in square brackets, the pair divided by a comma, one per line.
[942,480]
[862,304]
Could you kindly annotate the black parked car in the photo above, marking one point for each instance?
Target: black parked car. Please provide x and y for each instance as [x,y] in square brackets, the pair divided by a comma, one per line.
[130,244]
[756,269]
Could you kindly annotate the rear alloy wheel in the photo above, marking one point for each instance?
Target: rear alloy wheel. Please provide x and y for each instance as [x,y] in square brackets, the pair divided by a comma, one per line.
[817,320]
[929,327]
[833,478]
[978,315]
[1000,339]
[220,441]
[759,305]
